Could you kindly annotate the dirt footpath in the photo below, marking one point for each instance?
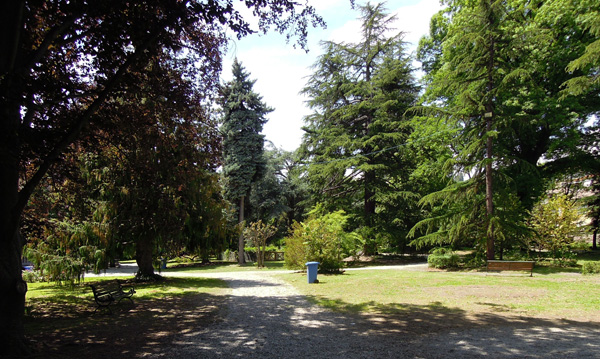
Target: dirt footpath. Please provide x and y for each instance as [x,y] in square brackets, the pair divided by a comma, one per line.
[267,318]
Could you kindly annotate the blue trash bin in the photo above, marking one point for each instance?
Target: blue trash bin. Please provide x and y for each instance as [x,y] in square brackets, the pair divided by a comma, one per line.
[311,271]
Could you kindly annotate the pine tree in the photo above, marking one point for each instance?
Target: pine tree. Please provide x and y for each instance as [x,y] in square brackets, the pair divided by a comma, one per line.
[495,70]
[243,161]
[359,93]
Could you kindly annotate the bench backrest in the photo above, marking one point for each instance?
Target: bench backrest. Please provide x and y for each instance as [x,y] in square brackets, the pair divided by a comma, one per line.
[106,288]
[510,265]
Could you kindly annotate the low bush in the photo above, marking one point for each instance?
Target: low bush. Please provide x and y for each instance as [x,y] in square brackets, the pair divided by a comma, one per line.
[321,238]
[590,268]
[443,258]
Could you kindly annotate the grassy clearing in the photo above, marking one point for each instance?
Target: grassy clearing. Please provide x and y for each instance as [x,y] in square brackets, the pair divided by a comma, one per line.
[394,291]
[222,267]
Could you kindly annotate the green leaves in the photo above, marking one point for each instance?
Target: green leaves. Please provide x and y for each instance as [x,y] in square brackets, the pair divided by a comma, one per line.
[359,93]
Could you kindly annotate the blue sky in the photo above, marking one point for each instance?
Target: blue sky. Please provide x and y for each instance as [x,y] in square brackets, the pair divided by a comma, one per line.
[281,71]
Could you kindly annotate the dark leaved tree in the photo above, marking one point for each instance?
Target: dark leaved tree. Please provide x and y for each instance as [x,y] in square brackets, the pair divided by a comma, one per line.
[60,61]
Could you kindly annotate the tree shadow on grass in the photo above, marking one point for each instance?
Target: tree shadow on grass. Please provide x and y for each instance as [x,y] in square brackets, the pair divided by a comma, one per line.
[282,325]
[67,325]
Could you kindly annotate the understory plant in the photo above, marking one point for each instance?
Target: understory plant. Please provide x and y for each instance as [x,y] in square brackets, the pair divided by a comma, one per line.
[555,221]
[443,258]
[321,238]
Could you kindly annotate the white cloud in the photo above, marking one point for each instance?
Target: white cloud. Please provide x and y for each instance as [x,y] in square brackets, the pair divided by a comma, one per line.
[280,70]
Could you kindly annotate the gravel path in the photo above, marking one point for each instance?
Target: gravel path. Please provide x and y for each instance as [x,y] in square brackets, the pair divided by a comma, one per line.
[268,318]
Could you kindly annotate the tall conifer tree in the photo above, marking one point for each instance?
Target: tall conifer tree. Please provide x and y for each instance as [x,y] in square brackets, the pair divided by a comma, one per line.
[243,119]
[495,70]
[359,93]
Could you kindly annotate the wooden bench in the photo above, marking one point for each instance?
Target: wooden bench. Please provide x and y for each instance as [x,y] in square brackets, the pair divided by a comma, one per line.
[106,293]
[510,265]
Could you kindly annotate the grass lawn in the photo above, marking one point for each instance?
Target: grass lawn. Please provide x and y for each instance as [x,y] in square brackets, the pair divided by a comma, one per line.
[217,266]
[392,291]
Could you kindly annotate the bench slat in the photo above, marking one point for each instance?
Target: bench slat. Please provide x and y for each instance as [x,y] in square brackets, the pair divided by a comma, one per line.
[106,293]
[510,265]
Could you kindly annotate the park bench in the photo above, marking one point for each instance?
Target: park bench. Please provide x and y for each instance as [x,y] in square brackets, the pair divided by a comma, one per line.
[510,265]
[106,293]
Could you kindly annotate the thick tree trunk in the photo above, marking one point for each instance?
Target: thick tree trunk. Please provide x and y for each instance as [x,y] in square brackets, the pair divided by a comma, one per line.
[143,257]
[241,257]
[12,286]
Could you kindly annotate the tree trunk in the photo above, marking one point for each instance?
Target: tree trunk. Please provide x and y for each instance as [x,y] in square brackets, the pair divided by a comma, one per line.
[241,258]
[369,210]
[12,286]
[594,239]
[143,257]
[489,113]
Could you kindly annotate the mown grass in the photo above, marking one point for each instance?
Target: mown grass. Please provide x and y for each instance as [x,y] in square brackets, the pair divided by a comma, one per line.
[216,266]
[552,295]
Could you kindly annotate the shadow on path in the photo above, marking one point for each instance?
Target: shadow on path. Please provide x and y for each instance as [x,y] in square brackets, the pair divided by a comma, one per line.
[266,321]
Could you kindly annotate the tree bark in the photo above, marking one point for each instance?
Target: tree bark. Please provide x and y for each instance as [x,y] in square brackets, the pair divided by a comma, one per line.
[12,286]
[489,108]
[369,208]
[489,202]
[143,257]
[241,258]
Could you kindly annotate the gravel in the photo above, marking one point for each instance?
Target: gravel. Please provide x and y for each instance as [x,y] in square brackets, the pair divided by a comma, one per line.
[268,318]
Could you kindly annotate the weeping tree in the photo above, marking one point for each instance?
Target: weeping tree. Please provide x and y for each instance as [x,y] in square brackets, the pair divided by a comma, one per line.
[243,144]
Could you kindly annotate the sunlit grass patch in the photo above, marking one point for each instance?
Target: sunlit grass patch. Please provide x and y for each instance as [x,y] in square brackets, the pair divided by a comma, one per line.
[384,291]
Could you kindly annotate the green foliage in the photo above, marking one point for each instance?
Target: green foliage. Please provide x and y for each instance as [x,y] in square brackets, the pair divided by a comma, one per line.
[357,133]
[555,221]
[279,197]
[321,238]
[63,250]
[492,57]
[590,268]
[586,16]
[68,253]
[443,258]
[242,122]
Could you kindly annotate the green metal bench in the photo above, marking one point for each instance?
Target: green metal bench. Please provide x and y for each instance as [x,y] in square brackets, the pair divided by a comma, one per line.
[106,293]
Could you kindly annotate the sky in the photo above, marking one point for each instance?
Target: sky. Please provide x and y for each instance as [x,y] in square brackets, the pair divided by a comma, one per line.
[281,71]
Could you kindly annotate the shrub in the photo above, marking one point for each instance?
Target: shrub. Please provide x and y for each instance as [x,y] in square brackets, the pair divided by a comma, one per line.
[32,276]
[556,222]
[442,258]
[590,268]
[295,250]
[321,238]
